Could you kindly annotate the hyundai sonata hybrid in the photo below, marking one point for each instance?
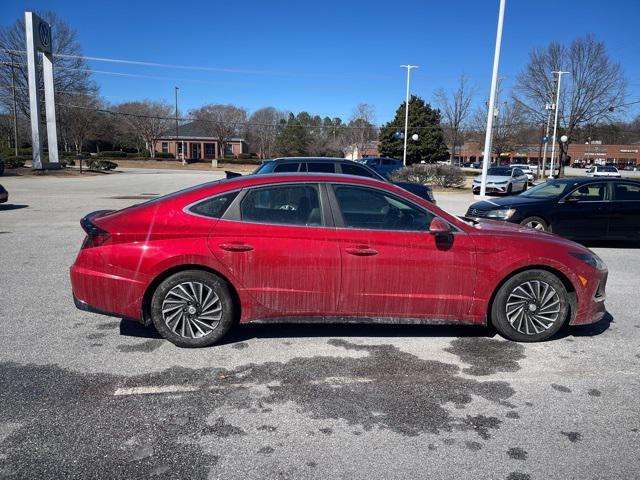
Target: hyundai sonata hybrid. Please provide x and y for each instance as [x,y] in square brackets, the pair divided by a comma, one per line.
[326,248]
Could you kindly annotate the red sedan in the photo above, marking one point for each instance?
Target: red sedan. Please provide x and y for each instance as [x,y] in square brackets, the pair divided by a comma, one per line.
[305,247]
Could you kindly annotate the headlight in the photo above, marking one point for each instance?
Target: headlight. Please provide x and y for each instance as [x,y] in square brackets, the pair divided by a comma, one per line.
[503,213]
[590,259]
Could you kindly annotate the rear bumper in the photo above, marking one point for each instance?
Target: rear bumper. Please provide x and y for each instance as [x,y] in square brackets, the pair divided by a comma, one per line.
[106,294]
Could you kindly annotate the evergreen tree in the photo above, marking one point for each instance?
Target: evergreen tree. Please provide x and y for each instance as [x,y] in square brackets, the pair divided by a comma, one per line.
[423,120]
[291,140]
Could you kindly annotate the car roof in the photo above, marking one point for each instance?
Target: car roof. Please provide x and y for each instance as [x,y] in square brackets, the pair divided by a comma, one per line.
[310,159]
[594,179]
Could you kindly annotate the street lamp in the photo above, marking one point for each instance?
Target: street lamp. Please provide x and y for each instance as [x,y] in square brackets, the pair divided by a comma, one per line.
[400,136]
[563,152]
[406,112]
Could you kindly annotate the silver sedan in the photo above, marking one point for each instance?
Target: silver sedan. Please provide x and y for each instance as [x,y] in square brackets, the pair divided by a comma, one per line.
[506,180]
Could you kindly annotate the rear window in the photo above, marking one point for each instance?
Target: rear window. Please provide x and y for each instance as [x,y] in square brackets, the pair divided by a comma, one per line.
[214,207]
[350,169]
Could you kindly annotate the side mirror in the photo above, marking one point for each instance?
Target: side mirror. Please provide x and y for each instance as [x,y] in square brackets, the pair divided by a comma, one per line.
[439,227]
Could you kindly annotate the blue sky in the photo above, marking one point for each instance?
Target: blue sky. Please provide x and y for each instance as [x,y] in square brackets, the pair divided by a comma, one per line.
[326,57]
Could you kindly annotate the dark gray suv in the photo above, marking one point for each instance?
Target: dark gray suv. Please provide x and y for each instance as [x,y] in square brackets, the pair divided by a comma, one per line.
[334,165]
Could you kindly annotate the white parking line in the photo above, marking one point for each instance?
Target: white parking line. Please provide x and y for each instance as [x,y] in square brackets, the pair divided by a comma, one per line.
[154,390]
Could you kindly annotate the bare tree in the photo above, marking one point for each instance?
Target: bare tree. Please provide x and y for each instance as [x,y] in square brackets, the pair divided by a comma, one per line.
[222,122]
[78,116]
[361,127]
[262,129]
[148,119]
[71,73]
[455,108]
[591,93]
[510,119]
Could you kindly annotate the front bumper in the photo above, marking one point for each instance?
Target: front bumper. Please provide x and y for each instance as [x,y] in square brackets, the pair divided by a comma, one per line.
[491,189]
[590,301]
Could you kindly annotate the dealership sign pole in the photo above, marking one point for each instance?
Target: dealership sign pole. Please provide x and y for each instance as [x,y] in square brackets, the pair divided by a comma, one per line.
[492,101]
[38,37]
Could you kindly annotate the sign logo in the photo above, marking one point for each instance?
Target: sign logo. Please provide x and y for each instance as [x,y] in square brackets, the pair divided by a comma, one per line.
[44,32]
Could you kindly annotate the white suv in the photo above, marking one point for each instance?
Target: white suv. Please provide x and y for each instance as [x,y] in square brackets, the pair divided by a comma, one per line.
[527,170]
[603,171]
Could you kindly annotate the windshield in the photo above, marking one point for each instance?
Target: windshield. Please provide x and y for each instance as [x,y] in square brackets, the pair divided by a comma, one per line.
[549,189]
[499,171]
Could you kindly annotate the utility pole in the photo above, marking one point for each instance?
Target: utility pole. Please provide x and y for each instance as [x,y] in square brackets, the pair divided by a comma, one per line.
[15,108]
[406,113]
[492,99]
[177,136]
[555,124]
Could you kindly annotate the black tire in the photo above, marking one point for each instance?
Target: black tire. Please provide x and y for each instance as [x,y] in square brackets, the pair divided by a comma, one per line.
[525,186]
[185,329]
[536,223]
[509,189]
[529,326]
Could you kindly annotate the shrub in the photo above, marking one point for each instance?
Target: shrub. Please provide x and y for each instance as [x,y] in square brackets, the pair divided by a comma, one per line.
[16,162]
[446,176]
[164,155]
[67,162]
[112,154]
[96,164]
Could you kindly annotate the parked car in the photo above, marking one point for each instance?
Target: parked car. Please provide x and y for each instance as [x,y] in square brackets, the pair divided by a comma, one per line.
[603,171]
[528,171]
[333,165]
[326,248]
[506,180]
[4,195]
[631,168]
[576,208]
[382,165]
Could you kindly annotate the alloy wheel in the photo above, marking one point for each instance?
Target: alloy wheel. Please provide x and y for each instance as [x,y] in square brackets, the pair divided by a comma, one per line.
[192,309]
[533,307]
[535,225]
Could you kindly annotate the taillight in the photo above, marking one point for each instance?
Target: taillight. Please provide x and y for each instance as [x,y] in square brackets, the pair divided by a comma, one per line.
[96,236]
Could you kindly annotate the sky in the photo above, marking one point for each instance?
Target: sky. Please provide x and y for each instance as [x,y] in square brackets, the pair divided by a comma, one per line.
[326,57]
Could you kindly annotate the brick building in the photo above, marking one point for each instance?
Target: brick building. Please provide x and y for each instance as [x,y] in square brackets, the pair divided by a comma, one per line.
[592,153]
[197,144]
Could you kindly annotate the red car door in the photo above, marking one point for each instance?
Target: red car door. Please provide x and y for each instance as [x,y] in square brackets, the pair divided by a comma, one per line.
[280,249]
[392,266]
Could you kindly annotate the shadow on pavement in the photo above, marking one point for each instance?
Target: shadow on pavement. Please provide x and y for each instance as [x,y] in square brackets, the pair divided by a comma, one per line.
[12,206]
[246,331]
[590,330]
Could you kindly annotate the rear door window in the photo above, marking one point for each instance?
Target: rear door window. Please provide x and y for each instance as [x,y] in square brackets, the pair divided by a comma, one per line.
[626,192]
[321,167]
[286,167]
[283,205]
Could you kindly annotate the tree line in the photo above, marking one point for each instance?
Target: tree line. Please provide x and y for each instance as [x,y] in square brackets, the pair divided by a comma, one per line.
[594,101]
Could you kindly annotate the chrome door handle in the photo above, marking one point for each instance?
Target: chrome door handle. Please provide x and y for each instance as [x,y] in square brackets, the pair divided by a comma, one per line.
[236,247]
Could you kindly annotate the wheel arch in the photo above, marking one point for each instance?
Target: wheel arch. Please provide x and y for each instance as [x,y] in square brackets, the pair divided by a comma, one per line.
[151,288]
[571,289]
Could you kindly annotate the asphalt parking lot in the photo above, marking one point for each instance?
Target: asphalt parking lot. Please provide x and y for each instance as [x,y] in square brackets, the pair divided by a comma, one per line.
[87,396]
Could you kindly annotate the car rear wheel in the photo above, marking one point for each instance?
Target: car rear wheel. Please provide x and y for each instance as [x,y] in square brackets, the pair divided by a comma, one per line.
[536,223]
[193,308]
[531,306]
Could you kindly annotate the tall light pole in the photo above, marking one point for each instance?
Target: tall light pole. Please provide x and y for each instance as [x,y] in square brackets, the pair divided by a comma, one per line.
[555,124]
[548,107]
[177,136]
[492,101]
[406,112]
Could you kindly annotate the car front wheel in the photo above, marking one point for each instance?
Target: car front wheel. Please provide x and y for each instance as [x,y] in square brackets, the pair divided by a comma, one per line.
[531,306]
[536,223]
[192,308]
